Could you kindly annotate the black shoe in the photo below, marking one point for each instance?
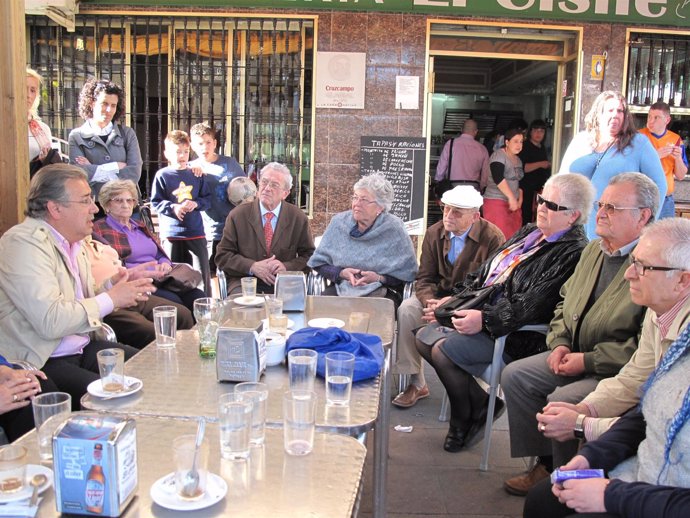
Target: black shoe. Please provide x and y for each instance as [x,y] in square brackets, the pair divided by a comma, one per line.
[455,440]
[476,431]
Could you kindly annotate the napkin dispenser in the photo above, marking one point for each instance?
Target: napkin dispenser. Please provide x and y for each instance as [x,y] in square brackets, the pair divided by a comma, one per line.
[240,353]
[291,287]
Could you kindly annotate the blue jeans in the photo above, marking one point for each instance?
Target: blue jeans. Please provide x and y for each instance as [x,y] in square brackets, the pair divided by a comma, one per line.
[668,209]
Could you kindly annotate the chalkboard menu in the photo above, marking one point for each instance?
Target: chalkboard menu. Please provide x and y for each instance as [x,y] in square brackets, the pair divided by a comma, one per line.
[403,161]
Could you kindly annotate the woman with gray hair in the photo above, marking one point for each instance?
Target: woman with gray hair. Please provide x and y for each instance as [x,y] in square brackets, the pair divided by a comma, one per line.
[527,273]
[132,240]
[366,251]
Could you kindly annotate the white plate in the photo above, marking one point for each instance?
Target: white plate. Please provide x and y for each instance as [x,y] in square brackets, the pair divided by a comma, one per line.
[249,301]
[164,494]
[27,490]
[326,322]
[291,323]
[95,388]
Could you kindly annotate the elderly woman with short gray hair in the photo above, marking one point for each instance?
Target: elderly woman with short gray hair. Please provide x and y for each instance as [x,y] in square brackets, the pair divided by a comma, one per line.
[366,251]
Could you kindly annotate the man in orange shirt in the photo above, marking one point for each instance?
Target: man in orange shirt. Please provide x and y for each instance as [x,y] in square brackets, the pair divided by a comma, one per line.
[671,151]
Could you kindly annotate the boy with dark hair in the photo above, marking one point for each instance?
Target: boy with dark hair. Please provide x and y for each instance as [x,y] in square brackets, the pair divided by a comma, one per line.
[179,197]
[217,170]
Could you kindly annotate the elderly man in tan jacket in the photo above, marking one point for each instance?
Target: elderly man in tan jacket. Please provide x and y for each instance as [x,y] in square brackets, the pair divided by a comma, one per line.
[452,248]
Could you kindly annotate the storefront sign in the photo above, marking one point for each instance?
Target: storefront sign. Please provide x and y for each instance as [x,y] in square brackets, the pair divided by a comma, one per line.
[660,12]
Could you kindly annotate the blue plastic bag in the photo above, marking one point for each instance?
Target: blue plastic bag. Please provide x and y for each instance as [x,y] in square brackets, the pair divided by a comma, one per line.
[368,349]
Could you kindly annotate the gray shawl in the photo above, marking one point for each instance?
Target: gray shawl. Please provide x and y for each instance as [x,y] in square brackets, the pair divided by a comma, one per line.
[385,249]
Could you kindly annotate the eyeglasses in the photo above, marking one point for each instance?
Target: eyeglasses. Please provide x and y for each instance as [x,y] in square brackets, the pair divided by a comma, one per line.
[273,185]
[610,208]
[120,201]
[457,212]
[550,205]
[640,268]
[90,200]
[364,201]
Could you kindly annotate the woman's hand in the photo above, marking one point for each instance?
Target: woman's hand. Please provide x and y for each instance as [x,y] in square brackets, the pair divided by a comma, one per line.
[121,165]
[467,321]
[197,171]
[513,204]
[17,393]
[82,160]
[149,269]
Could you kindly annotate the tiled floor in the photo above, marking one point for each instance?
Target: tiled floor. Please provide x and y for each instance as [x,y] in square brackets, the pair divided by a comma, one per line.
[426,481]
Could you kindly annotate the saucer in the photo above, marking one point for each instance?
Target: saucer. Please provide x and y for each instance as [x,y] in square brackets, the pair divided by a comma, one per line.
[27,490]
[249,301]
[290,324]
[164,494]
[133,385]
[326,322]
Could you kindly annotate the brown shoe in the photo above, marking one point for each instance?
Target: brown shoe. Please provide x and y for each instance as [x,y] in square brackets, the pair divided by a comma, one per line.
[520,485]
[411,395]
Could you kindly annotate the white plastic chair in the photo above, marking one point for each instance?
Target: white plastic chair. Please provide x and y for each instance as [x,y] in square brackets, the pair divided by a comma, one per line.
[492,376]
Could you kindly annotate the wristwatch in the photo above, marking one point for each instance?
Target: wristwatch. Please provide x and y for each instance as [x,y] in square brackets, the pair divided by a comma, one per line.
[579,429]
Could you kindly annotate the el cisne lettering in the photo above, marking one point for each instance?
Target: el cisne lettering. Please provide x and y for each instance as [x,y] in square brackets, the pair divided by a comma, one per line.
[647,8]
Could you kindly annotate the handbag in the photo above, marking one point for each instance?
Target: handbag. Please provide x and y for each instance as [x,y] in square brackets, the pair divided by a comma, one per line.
[445,185]
[179,279]
[367,348]
[468,299]
[52,157]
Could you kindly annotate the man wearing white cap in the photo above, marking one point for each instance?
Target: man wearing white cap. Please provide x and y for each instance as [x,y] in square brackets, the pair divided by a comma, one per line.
[451,249]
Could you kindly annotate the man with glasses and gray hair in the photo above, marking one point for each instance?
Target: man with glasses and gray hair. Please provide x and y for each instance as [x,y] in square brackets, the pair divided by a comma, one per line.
[593,334]
[451,249]
[49,302]
[267,236]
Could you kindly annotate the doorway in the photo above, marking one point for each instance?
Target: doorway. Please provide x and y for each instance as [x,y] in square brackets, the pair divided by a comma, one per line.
[496,73]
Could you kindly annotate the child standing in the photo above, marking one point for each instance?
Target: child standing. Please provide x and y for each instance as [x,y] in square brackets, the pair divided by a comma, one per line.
[218,170]
[179,197]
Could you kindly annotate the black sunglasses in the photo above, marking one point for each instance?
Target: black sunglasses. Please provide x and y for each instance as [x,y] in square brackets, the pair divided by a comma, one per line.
[550,205]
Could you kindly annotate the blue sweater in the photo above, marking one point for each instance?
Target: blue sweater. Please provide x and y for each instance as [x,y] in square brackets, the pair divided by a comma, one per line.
[640,156]
[172,186]
[218,175]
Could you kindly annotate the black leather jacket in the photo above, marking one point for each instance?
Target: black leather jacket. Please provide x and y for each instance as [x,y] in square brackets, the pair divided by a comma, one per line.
[531,292]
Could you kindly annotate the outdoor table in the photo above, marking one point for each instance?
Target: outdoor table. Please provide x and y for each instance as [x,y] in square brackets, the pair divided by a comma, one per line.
[180,384]
[326,482]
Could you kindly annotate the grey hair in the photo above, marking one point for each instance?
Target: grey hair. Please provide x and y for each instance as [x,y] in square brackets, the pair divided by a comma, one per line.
[240,190]
[277,166]
[646,189]
[675,235]
[380,187]
[575,192]
[49,185]
[30,72]
[115,186]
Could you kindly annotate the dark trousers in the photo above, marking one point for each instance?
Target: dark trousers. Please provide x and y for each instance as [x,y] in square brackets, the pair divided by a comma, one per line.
[541,503]
[180,250]
[17,422]
[72,374]
[186,298]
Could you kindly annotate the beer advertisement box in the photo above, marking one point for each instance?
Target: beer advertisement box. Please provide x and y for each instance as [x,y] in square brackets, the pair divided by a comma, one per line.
[95,463]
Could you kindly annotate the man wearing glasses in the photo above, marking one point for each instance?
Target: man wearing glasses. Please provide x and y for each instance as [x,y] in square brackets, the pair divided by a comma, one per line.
[49,302]
[267,236]
[451,249]
[593,334]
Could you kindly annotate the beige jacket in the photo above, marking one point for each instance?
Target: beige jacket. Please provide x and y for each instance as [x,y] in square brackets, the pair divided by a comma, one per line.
[38,305]
[613,396]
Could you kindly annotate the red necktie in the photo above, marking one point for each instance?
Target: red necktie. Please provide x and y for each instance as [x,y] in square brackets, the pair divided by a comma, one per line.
[268,230]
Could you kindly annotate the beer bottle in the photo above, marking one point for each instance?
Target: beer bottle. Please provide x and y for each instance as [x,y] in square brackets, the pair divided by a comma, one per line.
[95,483]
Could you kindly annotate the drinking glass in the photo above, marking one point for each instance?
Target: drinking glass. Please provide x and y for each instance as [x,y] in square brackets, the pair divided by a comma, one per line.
[248,287]
[235,420]
[165,325]
[340,367]
[256,393]
[50,411]
[111,365]
[184,448]
[299,411]
[207,313]
[302,369]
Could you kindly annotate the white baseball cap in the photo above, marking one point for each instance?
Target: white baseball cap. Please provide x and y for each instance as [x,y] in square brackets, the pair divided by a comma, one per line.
[463,197]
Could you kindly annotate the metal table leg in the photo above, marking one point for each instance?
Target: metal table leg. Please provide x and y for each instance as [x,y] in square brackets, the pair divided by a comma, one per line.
[381,440]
